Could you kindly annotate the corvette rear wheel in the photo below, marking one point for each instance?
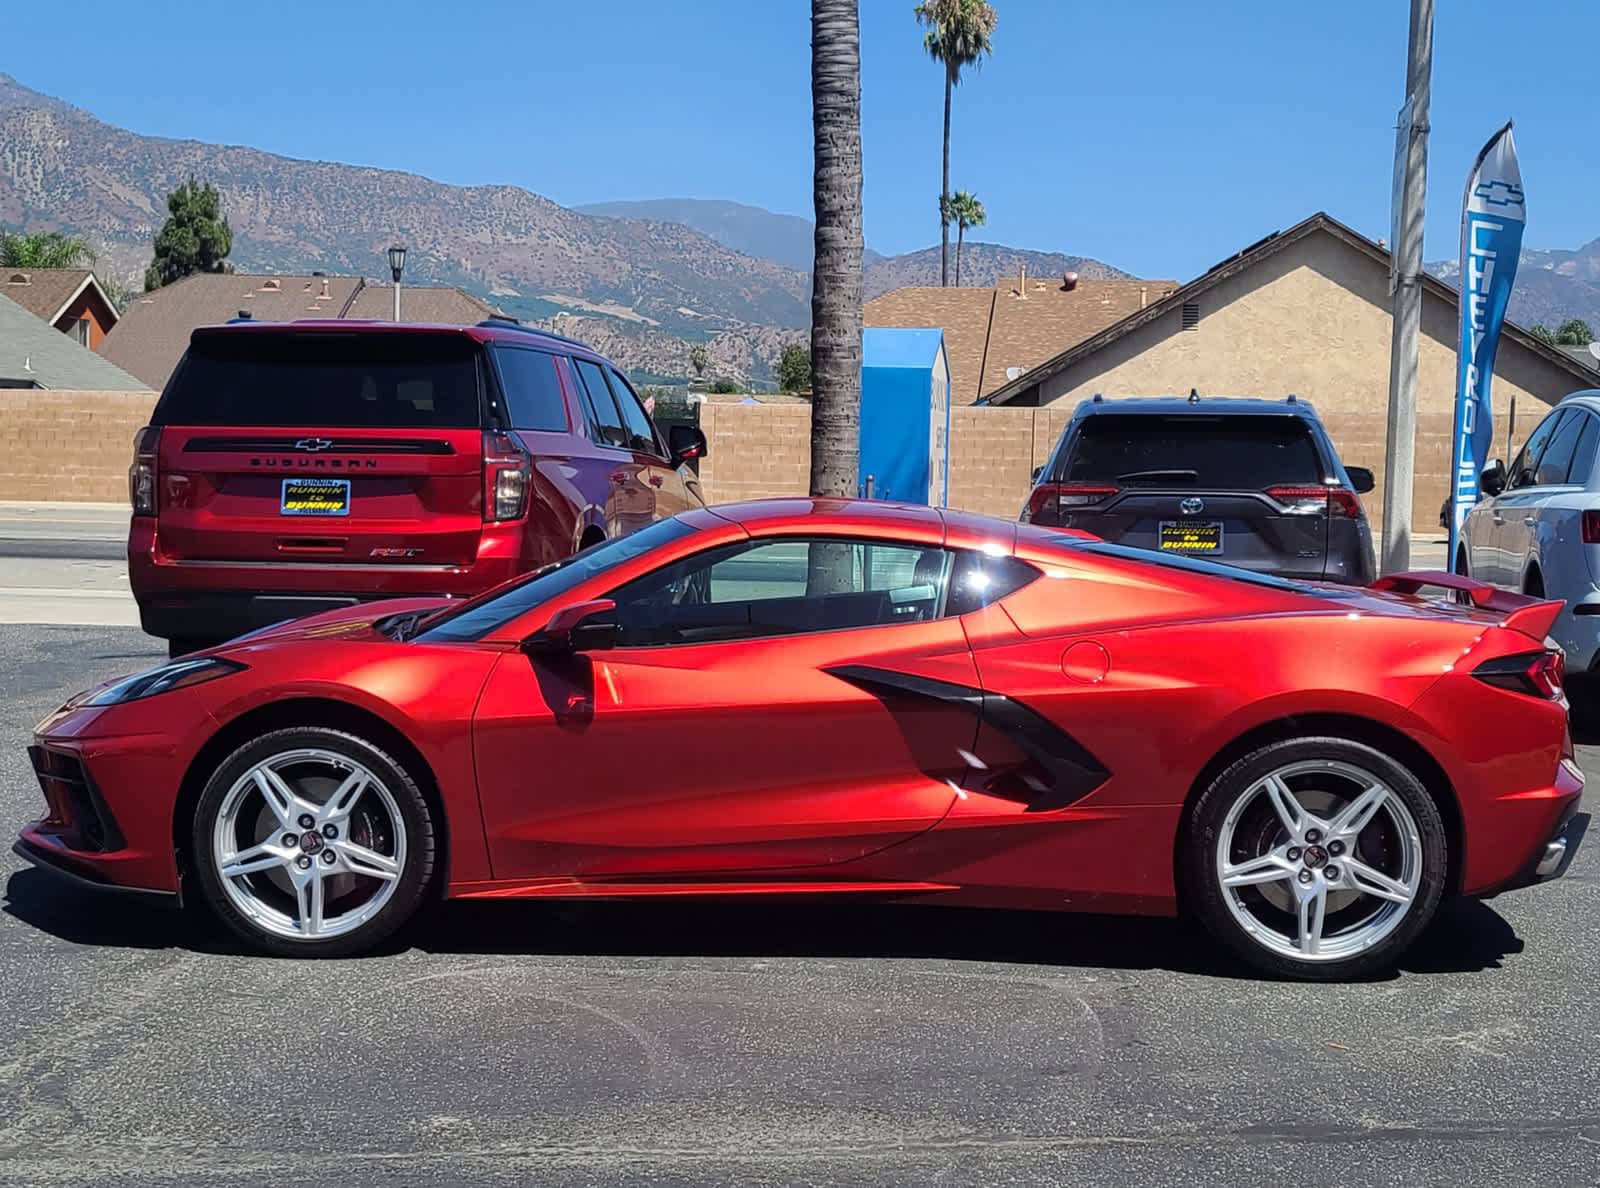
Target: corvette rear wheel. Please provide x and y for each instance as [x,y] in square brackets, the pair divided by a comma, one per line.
[1316,858]
[312,842]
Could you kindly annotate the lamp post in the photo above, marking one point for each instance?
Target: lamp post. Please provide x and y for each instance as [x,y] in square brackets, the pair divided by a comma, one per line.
[397,265]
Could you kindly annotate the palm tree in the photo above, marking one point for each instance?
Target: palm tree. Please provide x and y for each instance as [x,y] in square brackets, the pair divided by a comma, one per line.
[836,279]
[48,249]
[957,37]
[967,212]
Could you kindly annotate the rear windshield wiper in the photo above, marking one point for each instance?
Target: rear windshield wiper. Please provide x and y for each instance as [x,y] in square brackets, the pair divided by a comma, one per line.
[1182,476]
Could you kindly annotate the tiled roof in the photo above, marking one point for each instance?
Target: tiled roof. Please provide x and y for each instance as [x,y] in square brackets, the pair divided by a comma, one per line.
[988,331]
[963,315]
[418,304]
[43,291]
[1028,329]
[155,328]
[33,352]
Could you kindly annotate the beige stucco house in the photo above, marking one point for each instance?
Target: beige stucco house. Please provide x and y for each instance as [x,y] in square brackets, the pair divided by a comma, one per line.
[1307,311]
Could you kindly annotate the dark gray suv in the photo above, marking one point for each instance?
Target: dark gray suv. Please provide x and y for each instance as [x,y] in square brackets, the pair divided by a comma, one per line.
[1253,483]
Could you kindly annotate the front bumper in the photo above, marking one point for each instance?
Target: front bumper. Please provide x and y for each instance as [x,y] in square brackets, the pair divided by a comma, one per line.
[58,861]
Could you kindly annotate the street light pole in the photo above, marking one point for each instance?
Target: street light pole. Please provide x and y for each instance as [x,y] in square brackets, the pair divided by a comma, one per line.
[1401,443]
[397,265]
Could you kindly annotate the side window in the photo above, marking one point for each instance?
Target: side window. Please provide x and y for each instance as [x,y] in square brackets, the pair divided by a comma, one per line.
[977,580]
[532,389]
[767,588]
[1557,458]
[1522,470]
[641,435]
[607,419]
[1583,454]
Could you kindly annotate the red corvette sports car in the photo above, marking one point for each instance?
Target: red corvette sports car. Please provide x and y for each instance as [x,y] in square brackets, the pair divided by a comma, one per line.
[834,697]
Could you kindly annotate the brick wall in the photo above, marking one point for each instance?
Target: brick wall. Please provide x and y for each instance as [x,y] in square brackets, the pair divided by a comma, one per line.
[76,446]
[68,445]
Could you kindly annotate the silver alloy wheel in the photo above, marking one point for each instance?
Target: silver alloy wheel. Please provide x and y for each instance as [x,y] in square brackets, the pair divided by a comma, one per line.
[299,844]
[1314,842]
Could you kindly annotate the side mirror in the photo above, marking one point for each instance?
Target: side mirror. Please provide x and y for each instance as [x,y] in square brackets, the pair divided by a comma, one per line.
[685,443]
[1493,479]
[1361,479]
[1037,471]
[581,627]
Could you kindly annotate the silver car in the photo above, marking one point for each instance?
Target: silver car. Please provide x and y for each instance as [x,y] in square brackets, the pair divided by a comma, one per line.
[1537,526]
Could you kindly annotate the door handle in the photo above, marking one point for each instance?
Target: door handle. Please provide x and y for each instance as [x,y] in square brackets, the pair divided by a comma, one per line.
[1498,518]
[1529,521]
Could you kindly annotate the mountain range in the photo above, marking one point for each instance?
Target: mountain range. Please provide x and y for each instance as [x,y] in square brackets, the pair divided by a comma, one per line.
[643,280]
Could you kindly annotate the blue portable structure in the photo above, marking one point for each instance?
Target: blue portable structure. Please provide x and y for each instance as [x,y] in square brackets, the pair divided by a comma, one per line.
[905,415]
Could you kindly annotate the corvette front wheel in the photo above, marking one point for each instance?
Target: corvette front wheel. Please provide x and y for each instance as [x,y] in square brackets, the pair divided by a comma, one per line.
[312,842]
[1316,858]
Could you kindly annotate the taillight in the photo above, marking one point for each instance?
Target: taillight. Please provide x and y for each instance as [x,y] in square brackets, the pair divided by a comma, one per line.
[1339,501]
[507,471]
[1538,674]
[142,474]
[1591,527]
[1048,498]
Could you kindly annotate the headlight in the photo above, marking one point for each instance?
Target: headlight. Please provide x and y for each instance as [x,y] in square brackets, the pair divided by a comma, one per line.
[177,674]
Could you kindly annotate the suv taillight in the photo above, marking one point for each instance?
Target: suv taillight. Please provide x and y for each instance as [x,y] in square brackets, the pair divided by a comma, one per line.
[1538,674]
[142,474]
[1339,501]
[507,472]
[1049,498]
[1591,527]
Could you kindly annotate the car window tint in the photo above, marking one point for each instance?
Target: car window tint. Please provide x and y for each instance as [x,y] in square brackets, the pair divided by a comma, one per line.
[641,436]
[783,587]
[332,380]
[1583,454]
[1557,456]
[608,419]
[1230,452]
[1524,468]
[488,612]
[978,579]
[532,389]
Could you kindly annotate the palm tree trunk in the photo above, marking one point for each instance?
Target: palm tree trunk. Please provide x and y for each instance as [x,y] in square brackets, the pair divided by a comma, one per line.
[944,190]
[836,277]
[961,234]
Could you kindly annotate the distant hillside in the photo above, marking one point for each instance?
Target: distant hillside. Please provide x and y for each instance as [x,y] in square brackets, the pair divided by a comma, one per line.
[1552,285]
[60,166]
[784,239]
[982,264]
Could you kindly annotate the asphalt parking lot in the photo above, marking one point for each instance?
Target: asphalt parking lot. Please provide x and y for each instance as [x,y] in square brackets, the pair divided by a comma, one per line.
[778,1044]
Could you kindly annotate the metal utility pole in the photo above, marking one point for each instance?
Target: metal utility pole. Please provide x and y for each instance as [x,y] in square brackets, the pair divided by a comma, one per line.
[1402,434]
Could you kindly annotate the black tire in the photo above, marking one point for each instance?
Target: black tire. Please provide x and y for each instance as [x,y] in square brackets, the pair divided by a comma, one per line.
[412,885]
[1203,824]
[1461,562]
[183,646]
[1533,585]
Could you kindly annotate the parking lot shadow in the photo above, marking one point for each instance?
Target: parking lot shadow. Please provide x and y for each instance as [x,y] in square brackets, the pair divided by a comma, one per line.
[1467,935]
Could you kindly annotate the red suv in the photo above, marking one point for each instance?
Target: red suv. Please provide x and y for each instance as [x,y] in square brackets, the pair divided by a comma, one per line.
[294,467]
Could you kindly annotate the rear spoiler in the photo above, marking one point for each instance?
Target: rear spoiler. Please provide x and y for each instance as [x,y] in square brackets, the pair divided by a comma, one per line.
[1531,616]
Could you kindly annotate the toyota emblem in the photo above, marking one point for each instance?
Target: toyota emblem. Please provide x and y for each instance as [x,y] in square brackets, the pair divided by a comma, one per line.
[313,444]
[1192,506]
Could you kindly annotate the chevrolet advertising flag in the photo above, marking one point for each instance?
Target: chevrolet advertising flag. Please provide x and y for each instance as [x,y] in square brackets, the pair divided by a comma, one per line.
[1491,241]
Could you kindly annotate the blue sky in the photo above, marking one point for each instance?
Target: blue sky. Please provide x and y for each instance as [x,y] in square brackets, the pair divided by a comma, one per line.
[1157,135]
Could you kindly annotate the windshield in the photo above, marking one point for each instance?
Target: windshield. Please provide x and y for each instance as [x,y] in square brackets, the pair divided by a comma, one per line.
[360,381]
[1232,452]
[476,619]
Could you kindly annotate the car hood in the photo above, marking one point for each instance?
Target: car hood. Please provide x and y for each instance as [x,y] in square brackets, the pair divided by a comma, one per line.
[351,622]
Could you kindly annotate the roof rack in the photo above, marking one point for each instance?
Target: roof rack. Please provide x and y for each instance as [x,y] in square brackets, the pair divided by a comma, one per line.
[505,321]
